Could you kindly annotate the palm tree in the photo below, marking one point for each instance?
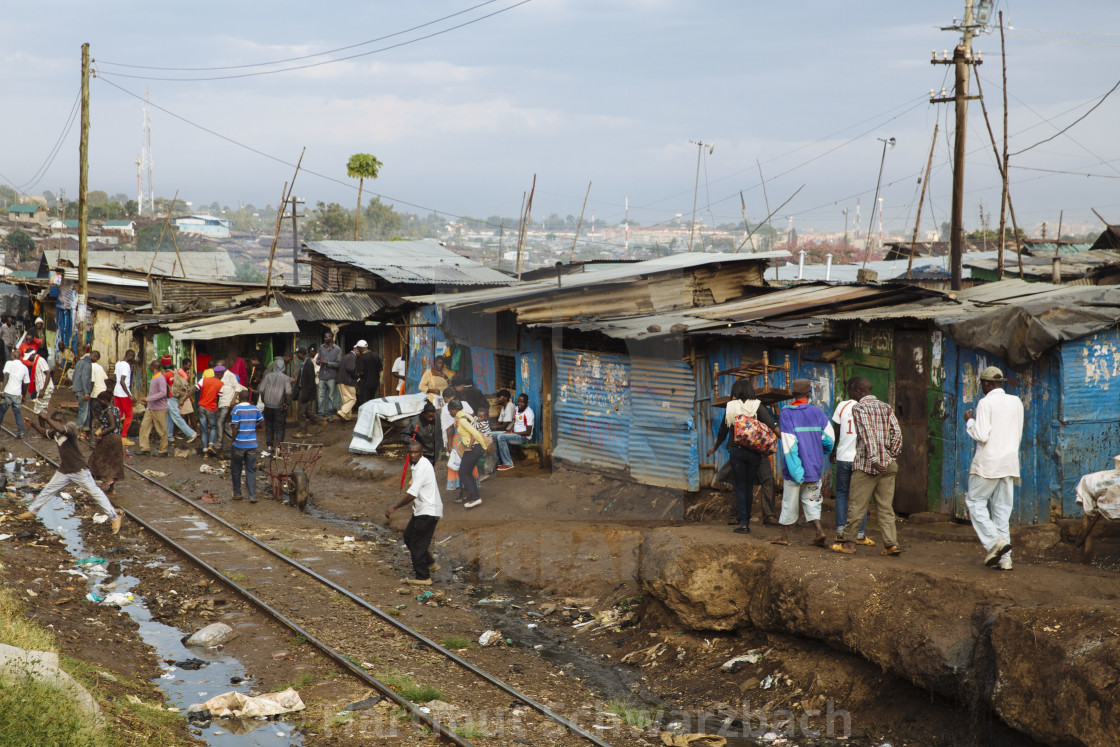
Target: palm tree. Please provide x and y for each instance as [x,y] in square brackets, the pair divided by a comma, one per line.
[361,166]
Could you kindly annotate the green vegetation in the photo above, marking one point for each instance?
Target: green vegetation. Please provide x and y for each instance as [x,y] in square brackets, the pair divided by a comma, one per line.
[410,689]
[297,684]
[236,576]
[291,552]
[454,643]
[296,641]
[631,715]
[20,244]
[630,603]
[34,713]
[470,731]
[361,166]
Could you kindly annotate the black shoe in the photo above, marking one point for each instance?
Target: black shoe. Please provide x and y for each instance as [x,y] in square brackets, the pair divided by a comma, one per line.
[742,529]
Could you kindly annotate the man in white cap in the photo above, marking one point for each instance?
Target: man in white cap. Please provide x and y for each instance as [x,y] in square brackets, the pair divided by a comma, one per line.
[348,381]
[997,428]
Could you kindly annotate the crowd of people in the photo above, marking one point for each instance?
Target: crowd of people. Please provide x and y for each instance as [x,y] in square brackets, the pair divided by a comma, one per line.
[863,439]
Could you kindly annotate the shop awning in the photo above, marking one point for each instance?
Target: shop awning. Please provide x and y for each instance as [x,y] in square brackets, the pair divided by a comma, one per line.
[266,321]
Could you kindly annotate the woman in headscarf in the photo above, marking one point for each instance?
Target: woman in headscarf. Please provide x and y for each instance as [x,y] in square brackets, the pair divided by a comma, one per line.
[241,371]
[106,461]
[744,462]
[434,381]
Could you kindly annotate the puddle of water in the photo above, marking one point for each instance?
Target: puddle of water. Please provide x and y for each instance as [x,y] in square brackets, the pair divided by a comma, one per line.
[181,686]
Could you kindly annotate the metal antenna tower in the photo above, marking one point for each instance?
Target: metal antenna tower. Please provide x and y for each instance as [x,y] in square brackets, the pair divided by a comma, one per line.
[145,191]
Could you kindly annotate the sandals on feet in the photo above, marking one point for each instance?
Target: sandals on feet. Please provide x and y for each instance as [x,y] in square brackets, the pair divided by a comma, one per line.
[892,550]
[838,547]
[819,541]
[866,541]
[779,541]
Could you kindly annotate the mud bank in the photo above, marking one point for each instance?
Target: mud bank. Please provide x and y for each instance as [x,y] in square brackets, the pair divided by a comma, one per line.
[1040,646]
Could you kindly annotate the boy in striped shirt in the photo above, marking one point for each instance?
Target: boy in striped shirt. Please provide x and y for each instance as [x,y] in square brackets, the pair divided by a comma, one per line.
[244,419]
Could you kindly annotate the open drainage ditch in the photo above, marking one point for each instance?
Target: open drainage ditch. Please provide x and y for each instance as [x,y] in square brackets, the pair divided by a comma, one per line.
[208,672]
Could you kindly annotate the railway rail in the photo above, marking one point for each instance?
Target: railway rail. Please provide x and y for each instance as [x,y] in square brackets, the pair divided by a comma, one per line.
[200,541]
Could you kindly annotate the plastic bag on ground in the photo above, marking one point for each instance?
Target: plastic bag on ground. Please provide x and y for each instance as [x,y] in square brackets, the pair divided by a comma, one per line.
[240,705]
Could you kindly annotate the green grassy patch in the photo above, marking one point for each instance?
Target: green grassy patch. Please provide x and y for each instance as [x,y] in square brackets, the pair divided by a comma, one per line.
[291,552]
[297,684]
[454,643]
[296,641]
[631,715]
[236,576]
[470,731]
[410,689]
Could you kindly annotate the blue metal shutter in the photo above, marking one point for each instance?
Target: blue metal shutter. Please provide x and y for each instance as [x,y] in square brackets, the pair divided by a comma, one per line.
[663,438]
[592,408]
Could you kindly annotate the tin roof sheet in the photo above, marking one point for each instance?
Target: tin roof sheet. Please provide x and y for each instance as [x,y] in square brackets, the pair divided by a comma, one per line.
[349,306]
[265,321]
[616,274]
[210,265]
[422,262]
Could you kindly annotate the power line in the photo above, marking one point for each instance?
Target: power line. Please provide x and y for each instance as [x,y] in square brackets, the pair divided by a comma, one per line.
[1071,124]
[49,160]
[325,62]
[302,57]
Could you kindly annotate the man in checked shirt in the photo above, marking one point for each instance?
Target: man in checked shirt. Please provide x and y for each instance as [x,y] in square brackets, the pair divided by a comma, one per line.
[878,444]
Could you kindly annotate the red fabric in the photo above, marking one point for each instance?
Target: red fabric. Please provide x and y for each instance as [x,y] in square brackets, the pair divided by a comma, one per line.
[208,393]
[202,362]
[170,376]
[124,404]
[240,371]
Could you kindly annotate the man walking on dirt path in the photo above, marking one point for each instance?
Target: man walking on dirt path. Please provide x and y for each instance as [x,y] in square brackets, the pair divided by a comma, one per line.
[427,509]
[122,392]
[305,391]
[156,414]
[276,395]
[997,428]
[81,384]
[15,379]
[71,469]
[245,419]
[807,439]
[878,444]
[348,383]
[369,373]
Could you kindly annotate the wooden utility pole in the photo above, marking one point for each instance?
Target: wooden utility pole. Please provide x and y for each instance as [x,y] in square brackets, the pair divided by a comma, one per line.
[525,224]
[579,225]
[1003,172]
[295,242]
[83,209]
[285,195]
[962,58]
[922,199]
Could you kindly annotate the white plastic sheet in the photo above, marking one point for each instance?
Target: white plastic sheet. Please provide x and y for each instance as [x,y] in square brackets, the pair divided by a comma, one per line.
[368,431]
[240,705]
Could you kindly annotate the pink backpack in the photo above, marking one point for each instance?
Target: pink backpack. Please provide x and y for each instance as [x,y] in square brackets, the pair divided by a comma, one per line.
[753,434]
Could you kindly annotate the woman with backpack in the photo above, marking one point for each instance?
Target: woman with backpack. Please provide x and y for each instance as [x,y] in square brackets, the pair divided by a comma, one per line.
[753,435]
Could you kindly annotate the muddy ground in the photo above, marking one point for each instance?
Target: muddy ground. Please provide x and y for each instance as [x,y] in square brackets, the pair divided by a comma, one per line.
[554,560]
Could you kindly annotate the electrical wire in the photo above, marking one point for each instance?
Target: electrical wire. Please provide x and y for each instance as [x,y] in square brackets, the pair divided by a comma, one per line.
[325,62]
[301,57]
[1071,124]
[49,160]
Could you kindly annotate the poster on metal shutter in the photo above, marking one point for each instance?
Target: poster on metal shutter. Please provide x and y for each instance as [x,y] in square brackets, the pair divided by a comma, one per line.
[592,408]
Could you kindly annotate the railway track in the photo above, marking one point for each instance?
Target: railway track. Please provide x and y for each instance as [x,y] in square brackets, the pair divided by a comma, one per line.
[262,576]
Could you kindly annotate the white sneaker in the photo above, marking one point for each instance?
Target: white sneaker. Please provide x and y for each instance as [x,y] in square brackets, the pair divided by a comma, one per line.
[265,454]
[472,504]
[997,553]
[1005,562]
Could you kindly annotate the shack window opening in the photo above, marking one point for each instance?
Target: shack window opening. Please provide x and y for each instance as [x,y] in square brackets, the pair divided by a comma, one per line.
[505,369]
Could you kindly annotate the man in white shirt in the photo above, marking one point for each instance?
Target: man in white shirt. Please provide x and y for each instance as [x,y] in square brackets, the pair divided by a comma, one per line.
[997,428]
[520,432]
[400,373]
[122,392]
[16,377]
[427,508]
[844,455]
[97,375]
[506,409]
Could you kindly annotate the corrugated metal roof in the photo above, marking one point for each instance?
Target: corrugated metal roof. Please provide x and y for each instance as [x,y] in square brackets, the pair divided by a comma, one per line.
[1040,265]
[887,269]
[422,262]
[616,274]
[334,306]
[210,265]
[266,321]
[25,208]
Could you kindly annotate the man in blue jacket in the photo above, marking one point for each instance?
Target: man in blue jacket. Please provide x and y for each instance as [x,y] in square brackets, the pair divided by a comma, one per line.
[807,440]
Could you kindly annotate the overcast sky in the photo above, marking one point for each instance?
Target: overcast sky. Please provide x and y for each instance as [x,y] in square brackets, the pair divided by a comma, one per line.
[572,91]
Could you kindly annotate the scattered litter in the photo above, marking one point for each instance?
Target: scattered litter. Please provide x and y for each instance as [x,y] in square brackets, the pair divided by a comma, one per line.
[347,539]
[66,496]
[6,536]
[182,453]
[531,626]
[191,664]
[692,740]
[426,595]
[156,474]
[117,599]
[493,600]
[100,518]
[240,705]
[751,657]
[91,597]
[214,634]
[490,637]
[364,705]
[84,561]
[768,682]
